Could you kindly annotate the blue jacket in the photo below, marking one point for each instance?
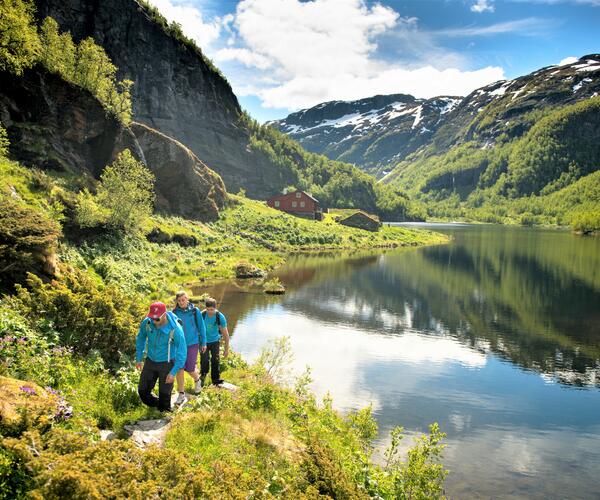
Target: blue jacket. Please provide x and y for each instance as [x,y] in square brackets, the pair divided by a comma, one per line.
[158,341]
[193,327]
[213,332]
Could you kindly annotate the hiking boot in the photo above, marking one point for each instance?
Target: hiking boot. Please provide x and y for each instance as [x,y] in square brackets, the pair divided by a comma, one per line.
[218,382]
[198,385]
[180,399]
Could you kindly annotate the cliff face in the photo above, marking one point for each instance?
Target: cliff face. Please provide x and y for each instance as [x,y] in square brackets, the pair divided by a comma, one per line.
[55,125]
[175,91]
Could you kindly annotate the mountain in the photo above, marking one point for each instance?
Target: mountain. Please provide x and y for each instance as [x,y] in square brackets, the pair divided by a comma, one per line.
[379,132]
[372,133]
[176,88]
[179,92]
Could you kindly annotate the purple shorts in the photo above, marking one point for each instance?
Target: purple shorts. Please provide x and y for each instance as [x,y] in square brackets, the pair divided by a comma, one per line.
[192,358]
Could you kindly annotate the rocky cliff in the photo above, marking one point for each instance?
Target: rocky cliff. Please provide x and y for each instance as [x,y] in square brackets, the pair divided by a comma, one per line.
[177,91]
[55,125]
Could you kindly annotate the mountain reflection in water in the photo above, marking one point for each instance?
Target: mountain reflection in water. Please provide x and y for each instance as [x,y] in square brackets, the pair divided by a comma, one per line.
[482,335]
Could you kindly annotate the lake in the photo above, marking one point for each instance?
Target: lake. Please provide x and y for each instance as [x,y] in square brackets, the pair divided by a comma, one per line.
[495,336]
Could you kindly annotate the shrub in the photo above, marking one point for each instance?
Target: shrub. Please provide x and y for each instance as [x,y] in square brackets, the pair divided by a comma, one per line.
[86,316]
[87,65]
[3,142]
[15,479]
[19,41]
[27,242]
[124,199]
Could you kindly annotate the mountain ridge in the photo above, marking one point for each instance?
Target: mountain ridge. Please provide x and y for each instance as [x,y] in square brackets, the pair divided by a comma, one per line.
[375,143]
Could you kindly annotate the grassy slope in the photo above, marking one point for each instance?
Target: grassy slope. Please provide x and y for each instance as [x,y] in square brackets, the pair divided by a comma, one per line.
[554,161]
[265,439]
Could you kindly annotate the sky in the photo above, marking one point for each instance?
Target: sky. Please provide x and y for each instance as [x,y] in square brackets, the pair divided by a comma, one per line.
[283,55]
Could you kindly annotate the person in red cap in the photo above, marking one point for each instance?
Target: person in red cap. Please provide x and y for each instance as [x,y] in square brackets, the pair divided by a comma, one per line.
[162,340]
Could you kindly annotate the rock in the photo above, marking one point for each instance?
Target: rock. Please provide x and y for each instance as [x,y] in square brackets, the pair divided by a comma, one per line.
[245,270]
[107,435]
[176,90]
[148,432]
[52,124]
[185,185]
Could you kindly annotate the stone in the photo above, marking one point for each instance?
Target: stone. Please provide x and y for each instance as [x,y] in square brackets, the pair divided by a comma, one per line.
[55,125]
[176,91]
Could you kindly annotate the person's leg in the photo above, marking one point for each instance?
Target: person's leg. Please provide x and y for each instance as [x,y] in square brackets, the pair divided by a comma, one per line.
[147,382]
[164,389]
[204,363]
[215,359]
[180,380]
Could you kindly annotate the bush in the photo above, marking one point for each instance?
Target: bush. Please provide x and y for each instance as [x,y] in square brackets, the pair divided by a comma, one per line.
[27,242]
[124,199]
[19,41]
[86,316]
[3,142]
[15,479]
[88,66]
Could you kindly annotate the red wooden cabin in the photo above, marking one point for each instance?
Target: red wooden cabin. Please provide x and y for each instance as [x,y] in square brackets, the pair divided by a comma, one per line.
[296,202]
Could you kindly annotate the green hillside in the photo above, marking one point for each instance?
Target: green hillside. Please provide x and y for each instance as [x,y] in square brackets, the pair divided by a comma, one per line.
[547,176]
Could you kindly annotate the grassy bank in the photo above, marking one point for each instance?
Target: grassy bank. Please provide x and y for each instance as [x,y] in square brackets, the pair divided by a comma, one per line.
[66,347]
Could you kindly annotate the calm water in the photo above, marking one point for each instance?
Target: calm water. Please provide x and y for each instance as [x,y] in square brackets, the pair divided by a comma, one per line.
[495,336]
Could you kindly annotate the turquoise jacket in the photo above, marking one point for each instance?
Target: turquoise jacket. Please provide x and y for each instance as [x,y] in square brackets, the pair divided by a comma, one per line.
[213,334]
[158,342]
[193,325]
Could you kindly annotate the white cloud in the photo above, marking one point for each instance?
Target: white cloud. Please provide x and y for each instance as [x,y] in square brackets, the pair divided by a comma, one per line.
[306,91]
[531,26]
[483,6]
[568,60]
[191,20]
[328,49]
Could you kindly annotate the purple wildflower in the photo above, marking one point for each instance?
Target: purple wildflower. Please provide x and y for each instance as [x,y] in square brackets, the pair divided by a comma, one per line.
[52,391]
[28,390]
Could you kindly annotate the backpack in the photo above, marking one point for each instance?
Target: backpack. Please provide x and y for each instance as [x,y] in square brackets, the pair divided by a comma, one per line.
[171,336]
[195,317]
[217,315]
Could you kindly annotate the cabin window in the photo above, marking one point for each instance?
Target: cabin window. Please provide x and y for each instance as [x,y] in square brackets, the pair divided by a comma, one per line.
[302,204]
[298,195]
[277,204]
[294,204]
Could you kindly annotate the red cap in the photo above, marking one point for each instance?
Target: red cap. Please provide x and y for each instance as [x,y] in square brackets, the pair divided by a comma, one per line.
[157,309]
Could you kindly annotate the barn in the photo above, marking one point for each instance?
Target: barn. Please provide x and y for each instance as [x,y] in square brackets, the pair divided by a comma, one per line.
[297,203]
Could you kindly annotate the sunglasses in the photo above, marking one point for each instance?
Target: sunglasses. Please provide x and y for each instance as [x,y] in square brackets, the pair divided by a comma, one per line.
[156,320]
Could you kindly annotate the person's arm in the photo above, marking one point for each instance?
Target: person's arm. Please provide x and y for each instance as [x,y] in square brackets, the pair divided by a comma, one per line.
[140,344]
[225,334]
[202,329]
[180,351]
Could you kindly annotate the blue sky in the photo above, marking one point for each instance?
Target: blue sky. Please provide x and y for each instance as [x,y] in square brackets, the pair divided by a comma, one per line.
[284,55]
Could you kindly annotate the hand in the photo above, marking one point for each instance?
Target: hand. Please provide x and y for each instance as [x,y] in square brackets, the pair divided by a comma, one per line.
[139,365]
[226,352]
[170,379]
[203,348]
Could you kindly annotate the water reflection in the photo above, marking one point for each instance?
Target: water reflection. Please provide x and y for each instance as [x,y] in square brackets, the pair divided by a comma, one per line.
[487,336]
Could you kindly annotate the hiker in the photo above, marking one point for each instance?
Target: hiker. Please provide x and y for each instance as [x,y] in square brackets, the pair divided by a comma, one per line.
[161,338]
[216,325]
[195,338]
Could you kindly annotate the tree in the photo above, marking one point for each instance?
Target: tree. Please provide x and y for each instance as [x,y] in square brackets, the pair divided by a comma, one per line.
[124,199]
[19,41]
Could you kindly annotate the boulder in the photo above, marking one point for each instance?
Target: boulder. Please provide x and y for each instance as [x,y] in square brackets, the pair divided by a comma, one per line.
[55,125]
[184,184]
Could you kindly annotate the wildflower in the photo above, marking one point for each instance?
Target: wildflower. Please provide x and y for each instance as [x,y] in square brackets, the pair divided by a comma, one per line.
[28,390]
